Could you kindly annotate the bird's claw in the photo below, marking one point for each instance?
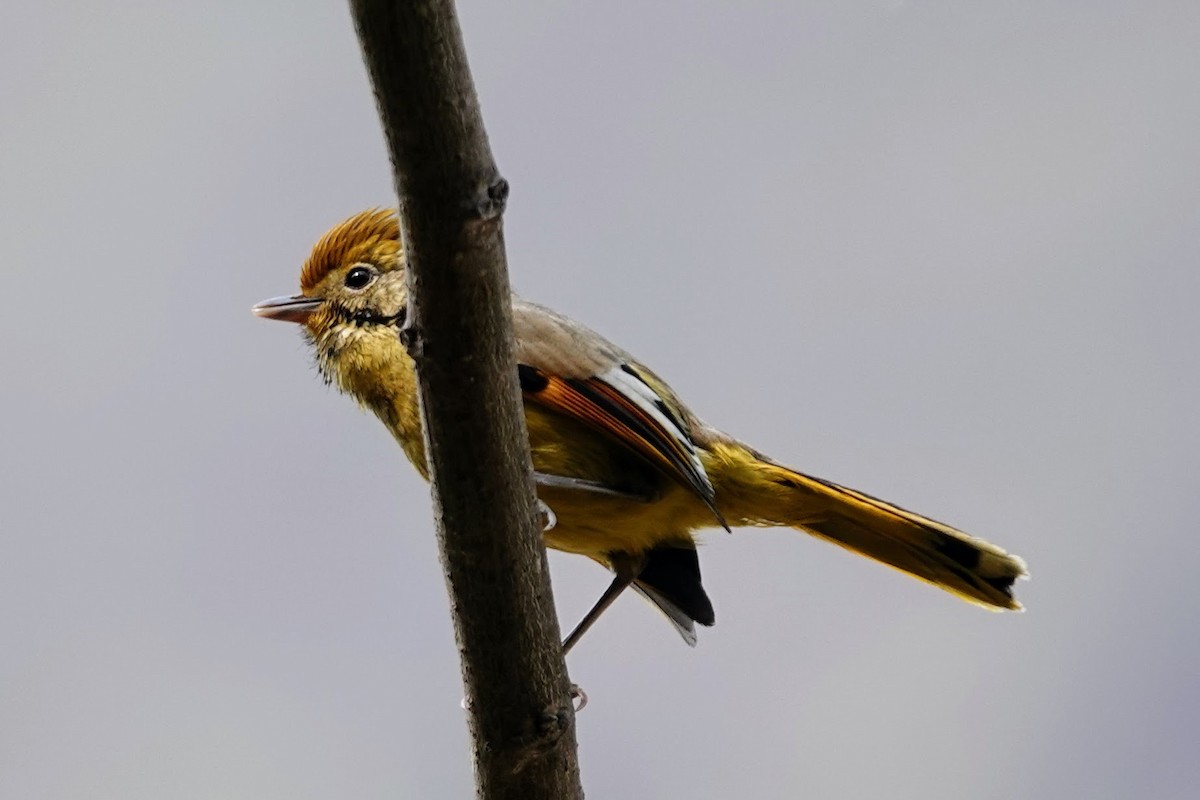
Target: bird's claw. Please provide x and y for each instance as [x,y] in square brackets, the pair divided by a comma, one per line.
[579,697]
[549,519]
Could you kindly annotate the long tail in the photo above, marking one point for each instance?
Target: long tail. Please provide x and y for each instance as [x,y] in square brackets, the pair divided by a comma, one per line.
[755,491]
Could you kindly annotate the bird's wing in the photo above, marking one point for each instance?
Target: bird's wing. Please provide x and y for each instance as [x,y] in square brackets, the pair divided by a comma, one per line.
[566,367]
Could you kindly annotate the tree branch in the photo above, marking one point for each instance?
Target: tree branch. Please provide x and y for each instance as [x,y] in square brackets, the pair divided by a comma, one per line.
[460,334]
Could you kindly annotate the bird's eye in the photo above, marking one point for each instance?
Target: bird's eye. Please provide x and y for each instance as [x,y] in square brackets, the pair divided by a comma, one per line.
[359,277]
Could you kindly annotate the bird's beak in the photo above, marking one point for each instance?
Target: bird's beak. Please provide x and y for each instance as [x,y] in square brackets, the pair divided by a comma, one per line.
[297,308]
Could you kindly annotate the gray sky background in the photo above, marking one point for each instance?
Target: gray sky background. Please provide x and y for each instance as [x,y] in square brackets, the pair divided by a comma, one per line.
[944,252]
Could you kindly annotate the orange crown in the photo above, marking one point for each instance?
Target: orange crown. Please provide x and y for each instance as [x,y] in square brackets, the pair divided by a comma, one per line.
[355,239]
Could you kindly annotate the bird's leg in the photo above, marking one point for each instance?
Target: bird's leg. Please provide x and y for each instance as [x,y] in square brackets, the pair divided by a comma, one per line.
[627,568]
[590,487]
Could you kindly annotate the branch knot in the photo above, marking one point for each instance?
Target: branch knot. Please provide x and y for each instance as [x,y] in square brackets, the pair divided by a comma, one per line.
[491,202]
[549,728]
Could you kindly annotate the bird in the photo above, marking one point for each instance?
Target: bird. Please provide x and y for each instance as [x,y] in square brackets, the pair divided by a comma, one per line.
[627,471]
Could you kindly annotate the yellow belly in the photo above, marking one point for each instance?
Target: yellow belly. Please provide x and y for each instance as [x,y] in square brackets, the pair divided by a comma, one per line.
[593,524]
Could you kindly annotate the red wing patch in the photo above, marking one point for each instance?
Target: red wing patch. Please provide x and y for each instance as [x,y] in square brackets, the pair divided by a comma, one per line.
[606,409]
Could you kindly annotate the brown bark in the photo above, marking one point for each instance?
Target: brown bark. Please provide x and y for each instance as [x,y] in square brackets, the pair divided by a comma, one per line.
[460,334]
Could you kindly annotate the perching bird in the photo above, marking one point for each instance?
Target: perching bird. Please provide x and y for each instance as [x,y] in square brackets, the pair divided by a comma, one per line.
[628,471]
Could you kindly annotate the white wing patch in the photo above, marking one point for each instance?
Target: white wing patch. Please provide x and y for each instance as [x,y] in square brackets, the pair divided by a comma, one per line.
[644,396]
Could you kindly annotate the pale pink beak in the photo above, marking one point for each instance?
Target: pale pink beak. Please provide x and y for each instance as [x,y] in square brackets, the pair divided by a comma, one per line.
[296,308]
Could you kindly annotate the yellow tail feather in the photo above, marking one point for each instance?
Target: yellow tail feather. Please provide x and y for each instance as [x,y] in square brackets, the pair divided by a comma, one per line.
[755,491]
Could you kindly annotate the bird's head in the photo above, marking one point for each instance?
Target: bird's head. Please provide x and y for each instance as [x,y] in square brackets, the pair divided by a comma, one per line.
[352,297]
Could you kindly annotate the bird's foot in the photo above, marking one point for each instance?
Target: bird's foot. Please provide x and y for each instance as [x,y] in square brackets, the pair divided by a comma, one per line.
[549,520]
[578,697]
